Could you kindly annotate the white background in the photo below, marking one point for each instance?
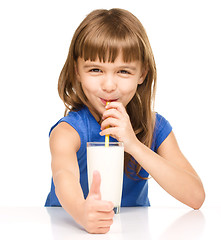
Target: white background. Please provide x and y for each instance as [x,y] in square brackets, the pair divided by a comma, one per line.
[35,37]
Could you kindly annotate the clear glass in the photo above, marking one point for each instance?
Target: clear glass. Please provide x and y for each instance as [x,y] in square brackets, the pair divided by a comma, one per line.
[109,161]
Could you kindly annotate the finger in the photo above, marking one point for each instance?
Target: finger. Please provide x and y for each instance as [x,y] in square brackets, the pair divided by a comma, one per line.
[113,112]
[117,105]
[112,131]
[99,230]
[110,122]
[95,186]
[105,223]
[103,230]
[106,215]
[103,206]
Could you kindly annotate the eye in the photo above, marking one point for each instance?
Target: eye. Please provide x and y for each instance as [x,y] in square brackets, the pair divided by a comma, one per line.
[96,70]
[124,72]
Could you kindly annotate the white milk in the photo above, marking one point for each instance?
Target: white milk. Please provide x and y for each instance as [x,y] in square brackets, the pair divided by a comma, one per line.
[109,161]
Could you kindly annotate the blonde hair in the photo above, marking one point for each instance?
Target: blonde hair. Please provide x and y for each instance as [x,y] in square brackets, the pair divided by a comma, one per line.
[102,35]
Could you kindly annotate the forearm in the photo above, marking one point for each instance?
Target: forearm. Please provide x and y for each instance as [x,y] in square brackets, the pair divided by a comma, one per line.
[181,184]
[95,215]
[69,193]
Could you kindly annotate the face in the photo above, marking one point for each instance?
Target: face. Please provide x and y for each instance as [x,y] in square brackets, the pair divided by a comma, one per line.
[104,81]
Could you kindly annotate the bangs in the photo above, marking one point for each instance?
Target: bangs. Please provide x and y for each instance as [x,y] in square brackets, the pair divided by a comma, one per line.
[107,49]
[105,41]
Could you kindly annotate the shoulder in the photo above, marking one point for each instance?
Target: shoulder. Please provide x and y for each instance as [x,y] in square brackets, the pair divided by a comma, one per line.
[160,121]
[161,130]
[76,118]
[73,122]
[64,137]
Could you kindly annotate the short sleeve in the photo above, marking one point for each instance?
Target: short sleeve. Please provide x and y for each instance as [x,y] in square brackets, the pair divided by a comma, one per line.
[73,119]
[161,131]
[77,121]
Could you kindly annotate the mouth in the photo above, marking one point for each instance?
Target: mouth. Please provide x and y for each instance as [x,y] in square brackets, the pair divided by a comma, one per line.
[104,101]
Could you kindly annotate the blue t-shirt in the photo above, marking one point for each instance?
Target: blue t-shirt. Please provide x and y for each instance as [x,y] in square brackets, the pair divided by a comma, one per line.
[135,192]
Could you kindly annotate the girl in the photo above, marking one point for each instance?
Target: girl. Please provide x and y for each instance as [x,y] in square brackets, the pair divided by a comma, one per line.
[110,60]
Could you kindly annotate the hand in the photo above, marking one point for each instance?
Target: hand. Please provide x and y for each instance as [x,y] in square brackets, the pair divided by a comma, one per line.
[116,123]
[97,214]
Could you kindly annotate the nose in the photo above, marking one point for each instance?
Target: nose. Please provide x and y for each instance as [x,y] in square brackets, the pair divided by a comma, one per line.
[109,83]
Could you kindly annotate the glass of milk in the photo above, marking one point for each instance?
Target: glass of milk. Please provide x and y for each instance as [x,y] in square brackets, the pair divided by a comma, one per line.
[109,161]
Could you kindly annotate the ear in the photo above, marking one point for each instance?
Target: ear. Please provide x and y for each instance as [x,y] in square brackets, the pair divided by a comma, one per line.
[143,75]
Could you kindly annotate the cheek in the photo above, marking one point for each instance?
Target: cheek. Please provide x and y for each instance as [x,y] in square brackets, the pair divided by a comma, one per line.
[128,91]
[128,88]
[89,86]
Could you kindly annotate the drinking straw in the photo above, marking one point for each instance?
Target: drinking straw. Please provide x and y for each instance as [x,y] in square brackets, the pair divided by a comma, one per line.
[107,140]
[107,136]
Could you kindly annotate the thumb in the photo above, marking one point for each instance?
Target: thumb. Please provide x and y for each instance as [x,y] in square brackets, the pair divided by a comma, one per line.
[95,186]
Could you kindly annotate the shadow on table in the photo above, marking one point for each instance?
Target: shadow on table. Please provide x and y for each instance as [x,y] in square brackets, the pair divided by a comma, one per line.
[63,225]
[189,226]
[130,223]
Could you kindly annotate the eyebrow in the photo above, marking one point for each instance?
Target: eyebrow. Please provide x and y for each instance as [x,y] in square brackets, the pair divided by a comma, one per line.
[86,65]
[91,65]
[128,67]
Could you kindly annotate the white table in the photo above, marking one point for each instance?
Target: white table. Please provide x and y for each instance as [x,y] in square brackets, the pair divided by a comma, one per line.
[132,223]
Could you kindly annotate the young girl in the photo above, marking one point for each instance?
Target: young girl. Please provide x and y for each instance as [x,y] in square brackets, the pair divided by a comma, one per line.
[110,60]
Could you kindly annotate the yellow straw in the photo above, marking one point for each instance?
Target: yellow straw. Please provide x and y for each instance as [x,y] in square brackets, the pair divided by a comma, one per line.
[107,140]
[107,136]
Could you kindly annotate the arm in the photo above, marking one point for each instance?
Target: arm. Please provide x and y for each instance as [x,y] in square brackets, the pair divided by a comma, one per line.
[168,167]
[92,213]
[172,171]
